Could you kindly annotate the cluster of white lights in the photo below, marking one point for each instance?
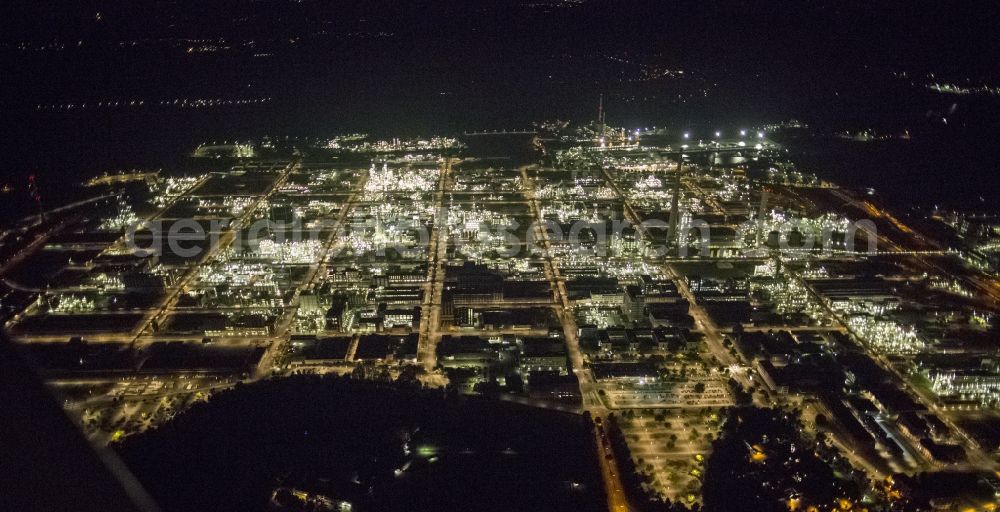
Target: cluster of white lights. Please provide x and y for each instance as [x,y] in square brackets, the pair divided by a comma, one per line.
[718,134]
[952,286]
[601,317]
[649,182]
[363,239]
[301,252]
[885,335]
[237,274]
[107,282]
[788,296]
[791,175]
[982,386]
[407,179]
[237,204]
[389,146]
[166,190]
[74,304]
[566,212]
[122,220]
[478,231]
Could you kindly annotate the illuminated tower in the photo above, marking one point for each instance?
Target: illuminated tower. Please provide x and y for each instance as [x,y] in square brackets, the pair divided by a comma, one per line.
[760,217]
[674,217]
[36,196]
[600,113]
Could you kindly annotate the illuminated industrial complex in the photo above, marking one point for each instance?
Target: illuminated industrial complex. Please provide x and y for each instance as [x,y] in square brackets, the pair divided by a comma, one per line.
[650,279]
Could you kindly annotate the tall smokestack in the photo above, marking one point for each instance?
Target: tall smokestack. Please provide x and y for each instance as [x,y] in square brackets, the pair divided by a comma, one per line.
[674,216]
[36,196]
[760,217]
[600,113]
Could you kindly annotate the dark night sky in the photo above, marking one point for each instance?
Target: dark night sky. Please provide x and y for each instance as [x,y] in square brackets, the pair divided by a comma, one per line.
[397,68]
[346,58]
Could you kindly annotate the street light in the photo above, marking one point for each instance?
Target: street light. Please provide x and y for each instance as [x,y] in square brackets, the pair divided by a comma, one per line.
[718,134]
[687,135]
[743,133]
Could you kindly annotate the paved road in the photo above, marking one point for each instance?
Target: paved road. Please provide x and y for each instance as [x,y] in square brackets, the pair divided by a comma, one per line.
[976,455]
[430,312]
[617,501]
[986,285]
[591,401]
[316,271]
[225,240]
